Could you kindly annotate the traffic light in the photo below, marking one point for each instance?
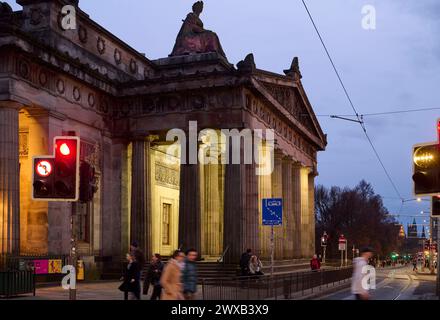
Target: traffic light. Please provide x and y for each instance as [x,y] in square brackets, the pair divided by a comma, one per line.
[56,178]
[435,207]
[43,178]
[426,159]
[87,182]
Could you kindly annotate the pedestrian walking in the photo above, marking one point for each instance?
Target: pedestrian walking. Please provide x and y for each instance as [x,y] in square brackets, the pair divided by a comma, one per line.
[244,262]
[153,276]
[189,276]
[171,280]
[315,264]
[414,262]
[357,289]
[138,254]
[255,266]
[131,285]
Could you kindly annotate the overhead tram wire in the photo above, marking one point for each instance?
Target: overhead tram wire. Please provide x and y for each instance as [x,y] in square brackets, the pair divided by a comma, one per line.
[379,113]
[359,118]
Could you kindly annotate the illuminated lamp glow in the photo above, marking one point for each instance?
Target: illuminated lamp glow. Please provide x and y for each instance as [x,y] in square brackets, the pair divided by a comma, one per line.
[64,149]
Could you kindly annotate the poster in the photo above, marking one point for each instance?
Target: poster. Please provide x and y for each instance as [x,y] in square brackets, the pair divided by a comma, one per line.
[41,266]
[55,266]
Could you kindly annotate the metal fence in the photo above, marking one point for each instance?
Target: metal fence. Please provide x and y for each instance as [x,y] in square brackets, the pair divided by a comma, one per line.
[277,287]
[13,283]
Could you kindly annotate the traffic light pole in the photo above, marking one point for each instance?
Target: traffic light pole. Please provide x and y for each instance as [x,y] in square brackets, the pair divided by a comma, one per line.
[438,273]
[73,257]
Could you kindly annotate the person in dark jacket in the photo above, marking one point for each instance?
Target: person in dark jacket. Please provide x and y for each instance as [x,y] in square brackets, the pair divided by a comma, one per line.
[244,262]
[131,285]
[189,275]
[153,277]
[138,254]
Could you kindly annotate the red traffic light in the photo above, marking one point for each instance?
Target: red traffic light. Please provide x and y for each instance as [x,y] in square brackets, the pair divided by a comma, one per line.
[64,149]
[56,177]
[44,168]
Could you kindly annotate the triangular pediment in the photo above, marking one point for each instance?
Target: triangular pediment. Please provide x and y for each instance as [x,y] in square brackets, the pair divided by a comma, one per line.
[295,102]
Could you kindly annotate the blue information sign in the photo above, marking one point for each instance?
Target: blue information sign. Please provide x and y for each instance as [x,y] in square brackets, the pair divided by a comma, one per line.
[272,212]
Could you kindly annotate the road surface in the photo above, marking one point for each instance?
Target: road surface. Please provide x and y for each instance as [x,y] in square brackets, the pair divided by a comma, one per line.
[395,284]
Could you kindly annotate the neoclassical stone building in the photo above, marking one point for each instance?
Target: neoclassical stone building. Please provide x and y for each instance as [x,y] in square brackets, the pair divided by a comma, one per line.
[85,81]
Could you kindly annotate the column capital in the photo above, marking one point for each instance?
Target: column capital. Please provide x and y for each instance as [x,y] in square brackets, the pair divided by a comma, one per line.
[10,104]
[288,159]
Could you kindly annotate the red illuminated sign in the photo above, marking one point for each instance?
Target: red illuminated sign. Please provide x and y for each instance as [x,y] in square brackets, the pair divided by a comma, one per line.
[44,168]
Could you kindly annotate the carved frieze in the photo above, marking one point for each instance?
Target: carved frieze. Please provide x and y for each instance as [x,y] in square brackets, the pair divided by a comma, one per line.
[61,86]
[118,56]
[76,94]
[261,110]
[133,66]
[43,78]
[173,102]
[292,102]
[82,34]
[91,100]
[167,176]
[100,45]
[23,143]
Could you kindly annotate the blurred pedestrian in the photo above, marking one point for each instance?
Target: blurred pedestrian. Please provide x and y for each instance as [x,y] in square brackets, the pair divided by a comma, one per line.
[189,276]
[131,285]
[171,280]
[359,263]
[153,276]
[244,262]
[414,262]
[255,266]
[138,254]
[315,264]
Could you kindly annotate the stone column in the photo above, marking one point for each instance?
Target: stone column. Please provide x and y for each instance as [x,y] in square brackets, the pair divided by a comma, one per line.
[277,192]
[9,179]
[305,213]
[264,191]
[311,193]
[241,227]
[189,208]
[140,218]
[212,236]
[288,214]
[296,188]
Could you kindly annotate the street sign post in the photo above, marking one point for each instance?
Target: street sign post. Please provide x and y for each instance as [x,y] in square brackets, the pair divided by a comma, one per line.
[343,247]
[324,241]
[272,210]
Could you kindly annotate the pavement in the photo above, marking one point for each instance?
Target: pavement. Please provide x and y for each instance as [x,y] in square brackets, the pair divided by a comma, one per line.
[102,290]
[395,284]
[392,284]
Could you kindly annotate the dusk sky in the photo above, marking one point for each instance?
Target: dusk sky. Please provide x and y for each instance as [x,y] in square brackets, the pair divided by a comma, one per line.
[395,67]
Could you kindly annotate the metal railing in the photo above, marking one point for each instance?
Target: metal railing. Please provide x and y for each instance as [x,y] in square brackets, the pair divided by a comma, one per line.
[13,283]
[222,257]
[278,287]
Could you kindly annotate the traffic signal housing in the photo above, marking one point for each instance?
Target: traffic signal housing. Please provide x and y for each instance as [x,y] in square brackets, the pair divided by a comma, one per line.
[426,172]
[43,178]
[56,178]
